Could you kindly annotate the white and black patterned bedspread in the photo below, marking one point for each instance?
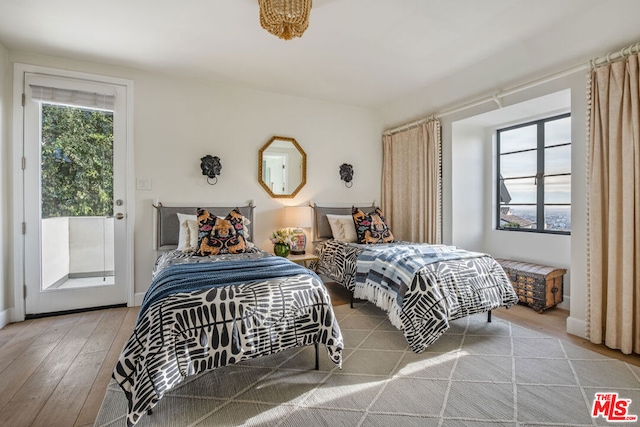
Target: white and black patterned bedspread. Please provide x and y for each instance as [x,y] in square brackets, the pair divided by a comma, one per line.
[423,301]
[337,261]
[188,333]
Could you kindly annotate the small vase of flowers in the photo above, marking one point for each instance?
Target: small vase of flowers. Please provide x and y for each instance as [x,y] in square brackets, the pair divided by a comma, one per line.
[282,240]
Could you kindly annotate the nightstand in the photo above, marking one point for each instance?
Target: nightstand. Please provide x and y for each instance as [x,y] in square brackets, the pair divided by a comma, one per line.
[303,260]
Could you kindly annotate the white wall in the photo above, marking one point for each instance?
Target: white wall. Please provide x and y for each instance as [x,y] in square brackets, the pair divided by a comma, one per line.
[76,245]
[468,185]
[6,285]
[177,121]
[90,244]
[55,250]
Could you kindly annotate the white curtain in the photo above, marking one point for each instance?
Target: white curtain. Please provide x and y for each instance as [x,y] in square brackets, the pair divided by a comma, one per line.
[411,183]
[613,315]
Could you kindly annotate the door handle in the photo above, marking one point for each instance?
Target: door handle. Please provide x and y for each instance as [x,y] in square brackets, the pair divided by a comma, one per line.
[119,215]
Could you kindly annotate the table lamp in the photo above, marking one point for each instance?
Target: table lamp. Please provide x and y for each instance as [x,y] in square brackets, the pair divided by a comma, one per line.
[298,217]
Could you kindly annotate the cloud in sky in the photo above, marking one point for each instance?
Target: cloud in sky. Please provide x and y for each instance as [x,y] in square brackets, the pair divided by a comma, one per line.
[515,163]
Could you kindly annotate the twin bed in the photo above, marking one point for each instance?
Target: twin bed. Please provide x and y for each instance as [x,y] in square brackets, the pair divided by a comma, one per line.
[421,287]
[205,312]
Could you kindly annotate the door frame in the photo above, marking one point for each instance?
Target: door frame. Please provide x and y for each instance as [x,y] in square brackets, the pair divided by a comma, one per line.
[19,70]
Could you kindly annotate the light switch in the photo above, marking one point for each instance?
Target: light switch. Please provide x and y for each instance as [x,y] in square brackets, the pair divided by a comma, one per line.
[143,184]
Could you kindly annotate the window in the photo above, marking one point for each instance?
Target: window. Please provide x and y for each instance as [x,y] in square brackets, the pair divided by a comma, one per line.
[76,161]
[534,170]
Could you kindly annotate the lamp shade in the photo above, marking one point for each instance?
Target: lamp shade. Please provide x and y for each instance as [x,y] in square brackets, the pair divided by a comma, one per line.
[298,216]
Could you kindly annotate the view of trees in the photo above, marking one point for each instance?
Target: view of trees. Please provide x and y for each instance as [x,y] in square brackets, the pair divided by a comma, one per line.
[77,166]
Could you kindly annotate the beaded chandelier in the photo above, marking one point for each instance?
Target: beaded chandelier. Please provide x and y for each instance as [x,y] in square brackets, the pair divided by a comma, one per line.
[285,18]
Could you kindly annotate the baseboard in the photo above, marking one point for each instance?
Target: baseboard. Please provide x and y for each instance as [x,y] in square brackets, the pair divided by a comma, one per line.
[565,304]
[577,327]
[5,317]
[137,298]
[74,311]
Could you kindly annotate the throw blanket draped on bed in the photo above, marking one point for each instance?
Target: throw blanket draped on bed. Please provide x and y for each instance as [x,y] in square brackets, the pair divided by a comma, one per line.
[422,287]
[393,267]
[182,278]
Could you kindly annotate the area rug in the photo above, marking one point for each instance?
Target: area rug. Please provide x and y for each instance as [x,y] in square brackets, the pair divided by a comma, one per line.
[477,374]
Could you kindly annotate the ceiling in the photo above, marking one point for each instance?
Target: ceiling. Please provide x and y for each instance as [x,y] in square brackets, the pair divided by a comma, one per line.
[360,52]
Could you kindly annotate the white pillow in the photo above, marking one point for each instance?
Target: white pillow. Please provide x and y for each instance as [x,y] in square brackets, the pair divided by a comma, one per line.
[245,223]
[342,228]
[337,229]
[192,227]
[350,234]
[188,233]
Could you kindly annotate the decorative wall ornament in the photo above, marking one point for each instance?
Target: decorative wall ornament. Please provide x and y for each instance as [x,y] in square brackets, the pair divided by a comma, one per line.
[211,167]
[346,174]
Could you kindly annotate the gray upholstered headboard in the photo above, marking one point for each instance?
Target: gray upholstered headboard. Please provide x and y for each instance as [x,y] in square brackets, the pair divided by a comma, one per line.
[321,227]
[168,227]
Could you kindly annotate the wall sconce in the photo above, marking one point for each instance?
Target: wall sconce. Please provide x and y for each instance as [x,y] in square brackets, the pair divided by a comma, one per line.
[211,167]
[346,174]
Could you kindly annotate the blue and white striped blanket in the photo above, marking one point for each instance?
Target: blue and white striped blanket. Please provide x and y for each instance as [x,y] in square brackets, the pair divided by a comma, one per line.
[184,278]
[392,267]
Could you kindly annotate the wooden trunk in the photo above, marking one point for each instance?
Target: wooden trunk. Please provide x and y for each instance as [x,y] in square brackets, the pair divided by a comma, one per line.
[537,286]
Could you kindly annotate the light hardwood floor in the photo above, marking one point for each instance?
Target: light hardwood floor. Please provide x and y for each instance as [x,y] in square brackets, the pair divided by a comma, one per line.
[54,371]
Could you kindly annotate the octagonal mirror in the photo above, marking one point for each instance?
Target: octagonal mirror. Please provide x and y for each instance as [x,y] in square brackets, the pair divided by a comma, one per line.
[282,167]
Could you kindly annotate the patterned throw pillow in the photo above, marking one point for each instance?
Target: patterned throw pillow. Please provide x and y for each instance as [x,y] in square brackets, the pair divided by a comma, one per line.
[371,228]
[220,235]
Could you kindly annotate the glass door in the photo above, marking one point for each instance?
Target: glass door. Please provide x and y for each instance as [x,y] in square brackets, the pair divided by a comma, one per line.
[74,206]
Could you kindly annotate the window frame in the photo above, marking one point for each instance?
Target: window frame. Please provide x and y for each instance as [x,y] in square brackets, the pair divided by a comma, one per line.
[540,175]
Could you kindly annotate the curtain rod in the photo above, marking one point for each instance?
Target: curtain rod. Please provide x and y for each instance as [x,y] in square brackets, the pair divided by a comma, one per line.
[408,126]
[593,63]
